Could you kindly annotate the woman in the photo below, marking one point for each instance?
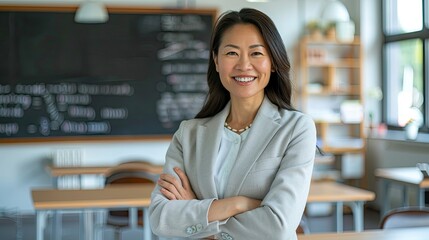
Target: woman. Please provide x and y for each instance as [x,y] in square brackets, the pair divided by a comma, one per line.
[242,168]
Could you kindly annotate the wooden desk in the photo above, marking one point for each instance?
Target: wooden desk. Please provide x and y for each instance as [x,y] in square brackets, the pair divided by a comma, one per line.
[391,234]
[103,170]
[64,171]
[405,177]
[131,196]
[100,171]
[339,194]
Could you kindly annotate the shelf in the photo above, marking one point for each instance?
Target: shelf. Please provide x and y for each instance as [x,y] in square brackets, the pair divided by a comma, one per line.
[326,41]
[339,122]
[344,63]
[337,150]
[326,159]
[324,175]
[331,91]
[351,90]
[343,145]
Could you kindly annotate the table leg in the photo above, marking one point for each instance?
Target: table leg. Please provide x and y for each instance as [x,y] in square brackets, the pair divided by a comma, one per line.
[339,218]
[88,226]
[81,226]
[385,206]
[40,224]
[358,215]
[133,215]
[146,230]
[405,199]
[100,219]
[57,225]
[421,196]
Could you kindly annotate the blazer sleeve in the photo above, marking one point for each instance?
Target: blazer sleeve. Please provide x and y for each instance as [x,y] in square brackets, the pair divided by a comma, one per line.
[179,218]
[282,208]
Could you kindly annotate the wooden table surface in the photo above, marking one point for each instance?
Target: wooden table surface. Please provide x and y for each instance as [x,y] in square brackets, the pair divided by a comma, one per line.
[132,195]
[103,170]
[91,170]
[411,175]
[390,234]
[335,192]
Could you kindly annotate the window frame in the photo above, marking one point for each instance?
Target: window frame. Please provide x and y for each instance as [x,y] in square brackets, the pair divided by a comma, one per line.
[423,35]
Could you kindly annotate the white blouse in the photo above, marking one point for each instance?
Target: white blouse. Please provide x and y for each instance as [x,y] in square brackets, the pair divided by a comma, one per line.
[228,152]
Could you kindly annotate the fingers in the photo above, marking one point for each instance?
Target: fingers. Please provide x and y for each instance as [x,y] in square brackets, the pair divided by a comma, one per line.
[168,194]
[186,191]
[175,189]
[169,186]
[183,178]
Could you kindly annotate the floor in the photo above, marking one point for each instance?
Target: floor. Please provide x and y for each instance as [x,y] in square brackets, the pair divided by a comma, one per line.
[8,226]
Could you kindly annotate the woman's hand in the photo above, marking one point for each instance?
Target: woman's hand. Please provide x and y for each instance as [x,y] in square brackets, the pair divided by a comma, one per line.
[172,189]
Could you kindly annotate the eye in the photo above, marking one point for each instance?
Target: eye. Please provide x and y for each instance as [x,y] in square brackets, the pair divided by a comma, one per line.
[231,53]
[257,54]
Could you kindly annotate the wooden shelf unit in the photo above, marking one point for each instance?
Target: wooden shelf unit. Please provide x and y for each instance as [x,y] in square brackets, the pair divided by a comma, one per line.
[330,74]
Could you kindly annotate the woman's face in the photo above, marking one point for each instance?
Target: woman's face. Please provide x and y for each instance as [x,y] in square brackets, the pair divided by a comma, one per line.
[243,62]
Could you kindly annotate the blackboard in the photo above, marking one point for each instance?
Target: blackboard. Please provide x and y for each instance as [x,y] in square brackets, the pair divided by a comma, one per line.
[138,75]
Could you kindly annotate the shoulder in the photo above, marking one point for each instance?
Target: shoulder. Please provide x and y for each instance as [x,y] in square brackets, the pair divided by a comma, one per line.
[289,120]
[297,122]
[193,123]
[294,116]
[191,126]
[284,116]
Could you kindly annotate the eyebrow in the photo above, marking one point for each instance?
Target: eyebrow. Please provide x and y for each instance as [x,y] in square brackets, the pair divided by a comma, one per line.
[237,47]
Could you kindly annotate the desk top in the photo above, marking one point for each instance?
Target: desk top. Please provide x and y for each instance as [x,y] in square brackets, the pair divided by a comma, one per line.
[391,234]
[410,175]
[123,195]
[126,195]
[337,192]
[103,170]
[63,171]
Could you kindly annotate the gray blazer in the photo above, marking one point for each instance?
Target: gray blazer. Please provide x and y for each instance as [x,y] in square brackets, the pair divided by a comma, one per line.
[275,165]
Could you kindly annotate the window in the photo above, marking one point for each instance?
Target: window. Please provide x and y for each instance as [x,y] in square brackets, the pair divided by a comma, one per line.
[405,61]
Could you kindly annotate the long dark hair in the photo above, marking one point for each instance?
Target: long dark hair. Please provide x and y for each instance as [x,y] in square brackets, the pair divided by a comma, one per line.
[279,88]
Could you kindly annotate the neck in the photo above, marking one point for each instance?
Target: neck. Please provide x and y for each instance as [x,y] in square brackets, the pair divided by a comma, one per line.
[242,112]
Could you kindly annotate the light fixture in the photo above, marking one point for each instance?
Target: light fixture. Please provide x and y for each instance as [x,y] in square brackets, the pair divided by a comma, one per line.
[336,17]
[91,11]
[335,11]
[262,1]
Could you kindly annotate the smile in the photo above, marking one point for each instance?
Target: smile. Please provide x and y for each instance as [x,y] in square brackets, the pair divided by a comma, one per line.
[244,79]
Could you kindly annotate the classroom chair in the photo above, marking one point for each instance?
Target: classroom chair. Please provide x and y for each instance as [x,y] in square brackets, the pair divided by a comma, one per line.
[303,226]
[129,173]
[405,217]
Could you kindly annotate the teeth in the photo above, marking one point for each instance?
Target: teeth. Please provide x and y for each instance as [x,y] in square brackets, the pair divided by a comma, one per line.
[244,79]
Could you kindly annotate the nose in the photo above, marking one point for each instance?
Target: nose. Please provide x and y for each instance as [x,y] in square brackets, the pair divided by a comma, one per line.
[243,63]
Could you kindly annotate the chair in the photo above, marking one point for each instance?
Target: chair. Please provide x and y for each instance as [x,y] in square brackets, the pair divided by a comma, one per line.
[406,217]
[131,172]
[303,226]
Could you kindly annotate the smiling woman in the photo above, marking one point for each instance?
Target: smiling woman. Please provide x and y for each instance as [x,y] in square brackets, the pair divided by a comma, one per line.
[247,157]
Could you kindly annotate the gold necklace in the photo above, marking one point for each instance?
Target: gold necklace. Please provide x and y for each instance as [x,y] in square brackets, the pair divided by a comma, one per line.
[235,130]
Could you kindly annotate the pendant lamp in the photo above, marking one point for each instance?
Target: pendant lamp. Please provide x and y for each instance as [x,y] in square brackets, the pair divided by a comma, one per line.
[91,11]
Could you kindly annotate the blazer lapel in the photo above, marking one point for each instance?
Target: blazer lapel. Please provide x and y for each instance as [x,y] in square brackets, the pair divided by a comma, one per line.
[208,138]
[263,129]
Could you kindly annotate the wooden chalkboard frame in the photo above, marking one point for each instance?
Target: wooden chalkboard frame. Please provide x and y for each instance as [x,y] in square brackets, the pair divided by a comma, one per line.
[111,9]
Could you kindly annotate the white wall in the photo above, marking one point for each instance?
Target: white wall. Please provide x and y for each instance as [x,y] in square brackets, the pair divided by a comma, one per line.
[22,166]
